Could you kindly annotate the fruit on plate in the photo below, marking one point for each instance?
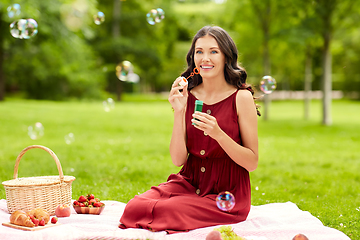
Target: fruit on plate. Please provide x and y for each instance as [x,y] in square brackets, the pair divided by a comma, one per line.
[63,210]
[54,220]
[88,205]
[88,201]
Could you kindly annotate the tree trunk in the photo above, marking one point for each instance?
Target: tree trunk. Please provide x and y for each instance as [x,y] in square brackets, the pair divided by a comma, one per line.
[326,79]
[2,52]
[307,82]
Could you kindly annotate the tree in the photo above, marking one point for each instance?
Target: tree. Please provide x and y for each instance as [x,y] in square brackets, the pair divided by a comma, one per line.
[331,13]
[56,63]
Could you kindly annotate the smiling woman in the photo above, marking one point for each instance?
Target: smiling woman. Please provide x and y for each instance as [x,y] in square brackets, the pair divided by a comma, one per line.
[216,149]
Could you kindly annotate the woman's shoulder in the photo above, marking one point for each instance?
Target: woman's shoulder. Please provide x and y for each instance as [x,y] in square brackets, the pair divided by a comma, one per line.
[244,95]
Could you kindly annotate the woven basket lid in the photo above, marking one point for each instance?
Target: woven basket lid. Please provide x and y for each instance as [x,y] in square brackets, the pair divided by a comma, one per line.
[36,181]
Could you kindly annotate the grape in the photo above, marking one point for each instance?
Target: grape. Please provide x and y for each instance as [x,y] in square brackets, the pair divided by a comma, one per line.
[228,234]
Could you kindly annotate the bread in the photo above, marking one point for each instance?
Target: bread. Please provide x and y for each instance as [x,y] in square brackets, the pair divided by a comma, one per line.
[20,218]
[40,213]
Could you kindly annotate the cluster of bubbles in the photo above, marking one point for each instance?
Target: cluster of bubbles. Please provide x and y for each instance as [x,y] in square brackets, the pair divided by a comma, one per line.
[24,28]
[267,84]
[225,201]
[69,138]
[155,16]
[108,104]
[14,10]
[36,131]
[125,72]
[21,28]
[99,18]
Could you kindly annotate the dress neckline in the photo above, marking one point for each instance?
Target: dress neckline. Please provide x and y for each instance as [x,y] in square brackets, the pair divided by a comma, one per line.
[218,101]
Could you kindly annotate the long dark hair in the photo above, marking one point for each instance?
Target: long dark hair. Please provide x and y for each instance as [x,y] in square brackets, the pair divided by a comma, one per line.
[234,74]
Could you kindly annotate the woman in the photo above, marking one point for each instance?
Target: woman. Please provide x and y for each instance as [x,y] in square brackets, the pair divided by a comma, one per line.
[217,148]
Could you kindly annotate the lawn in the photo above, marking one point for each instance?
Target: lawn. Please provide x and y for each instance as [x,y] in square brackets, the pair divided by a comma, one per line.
[121,153]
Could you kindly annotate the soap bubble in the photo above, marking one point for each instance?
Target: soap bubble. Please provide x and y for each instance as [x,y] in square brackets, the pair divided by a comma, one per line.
[69,138]
[155,16]
[267,84]
[225,201]
[133,77]
[160,14]
[14,10]
[36,131]
[99,18]
[108,104]
[123,69]
[151,16]
[24,28]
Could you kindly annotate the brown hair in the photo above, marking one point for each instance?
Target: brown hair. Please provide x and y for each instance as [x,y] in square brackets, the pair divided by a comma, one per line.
[234,74]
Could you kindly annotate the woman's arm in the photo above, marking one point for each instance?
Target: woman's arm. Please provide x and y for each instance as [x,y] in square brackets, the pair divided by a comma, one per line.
[178,101]
[247,154]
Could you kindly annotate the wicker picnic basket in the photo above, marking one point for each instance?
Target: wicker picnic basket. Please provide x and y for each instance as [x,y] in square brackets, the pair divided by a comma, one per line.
[45,192]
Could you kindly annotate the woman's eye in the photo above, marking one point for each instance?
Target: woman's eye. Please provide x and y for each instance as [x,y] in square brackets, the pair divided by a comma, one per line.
[198,52]
[213,52]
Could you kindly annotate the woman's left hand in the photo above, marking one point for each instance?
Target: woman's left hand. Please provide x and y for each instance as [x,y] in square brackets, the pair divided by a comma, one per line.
[206,123]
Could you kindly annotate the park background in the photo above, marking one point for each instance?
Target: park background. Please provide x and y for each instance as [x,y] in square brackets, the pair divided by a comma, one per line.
[61,76]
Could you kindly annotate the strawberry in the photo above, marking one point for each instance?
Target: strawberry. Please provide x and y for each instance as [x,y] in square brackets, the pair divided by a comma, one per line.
[97,200]
[81,204]
[92,201]
[42,222]
[35,221]
[82,199]
[90,196]
[76,203]
[54,220]
[98,204]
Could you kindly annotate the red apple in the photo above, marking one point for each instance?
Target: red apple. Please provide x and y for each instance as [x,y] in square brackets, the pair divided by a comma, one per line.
[63,210]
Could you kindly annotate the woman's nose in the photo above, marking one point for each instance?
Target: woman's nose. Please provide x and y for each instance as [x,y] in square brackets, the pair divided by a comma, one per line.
[206,57]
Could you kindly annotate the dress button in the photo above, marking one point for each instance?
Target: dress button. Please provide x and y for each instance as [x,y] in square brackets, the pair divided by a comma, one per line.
[202,152]
[202,169]
[197,191]
[208,111]
[205,134]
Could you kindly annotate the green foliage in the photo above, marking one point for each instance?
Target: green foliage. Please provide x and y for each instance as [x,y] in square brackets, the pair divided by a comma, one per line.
[54,64]
[121,153]
[78,59]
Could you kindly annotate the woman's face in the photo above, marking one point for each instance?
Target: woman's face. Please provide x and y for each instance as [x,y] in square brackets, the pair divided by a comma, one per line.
[209,58]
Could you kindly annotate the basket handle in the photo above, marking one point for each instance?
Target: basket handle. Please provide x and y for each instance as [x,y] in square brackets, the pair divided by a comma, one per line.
[61,174]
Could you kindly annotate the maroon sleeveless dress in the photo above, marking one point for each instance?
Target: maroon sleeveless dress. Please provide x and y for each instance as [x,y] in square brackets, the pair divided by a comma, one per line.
[188,199]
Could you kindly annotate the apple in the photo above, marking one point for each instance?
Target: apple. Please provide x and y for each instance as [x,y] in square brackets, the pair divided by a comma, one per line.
[213,235]
[63,210]
[300,237]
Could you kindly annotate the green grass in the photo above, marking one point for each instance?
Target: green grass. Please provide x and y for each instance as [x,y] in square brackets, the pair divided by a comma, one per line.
[124,152]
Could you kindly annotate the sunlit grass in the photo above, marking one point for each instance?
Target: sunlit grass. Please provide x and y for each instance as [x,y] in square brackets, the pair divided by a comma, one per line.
[124,152]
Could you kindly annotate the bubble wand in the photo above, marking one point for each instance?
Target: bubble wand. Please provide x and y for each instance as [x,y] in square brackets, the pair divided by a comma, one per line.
[184,80]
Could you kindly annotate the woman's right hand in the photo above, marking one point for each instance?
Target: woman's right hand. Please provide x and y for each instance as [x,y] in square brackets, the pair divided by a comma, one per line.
[176,98]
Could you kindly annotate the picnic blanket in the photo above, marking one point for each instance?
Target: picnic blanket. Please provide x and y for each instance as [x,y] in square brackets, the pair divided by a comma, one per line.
[273,221]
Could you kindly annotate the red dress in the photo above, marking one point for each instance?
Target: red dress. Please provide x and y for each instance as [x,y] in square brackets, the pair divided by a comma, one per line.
[188,199]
